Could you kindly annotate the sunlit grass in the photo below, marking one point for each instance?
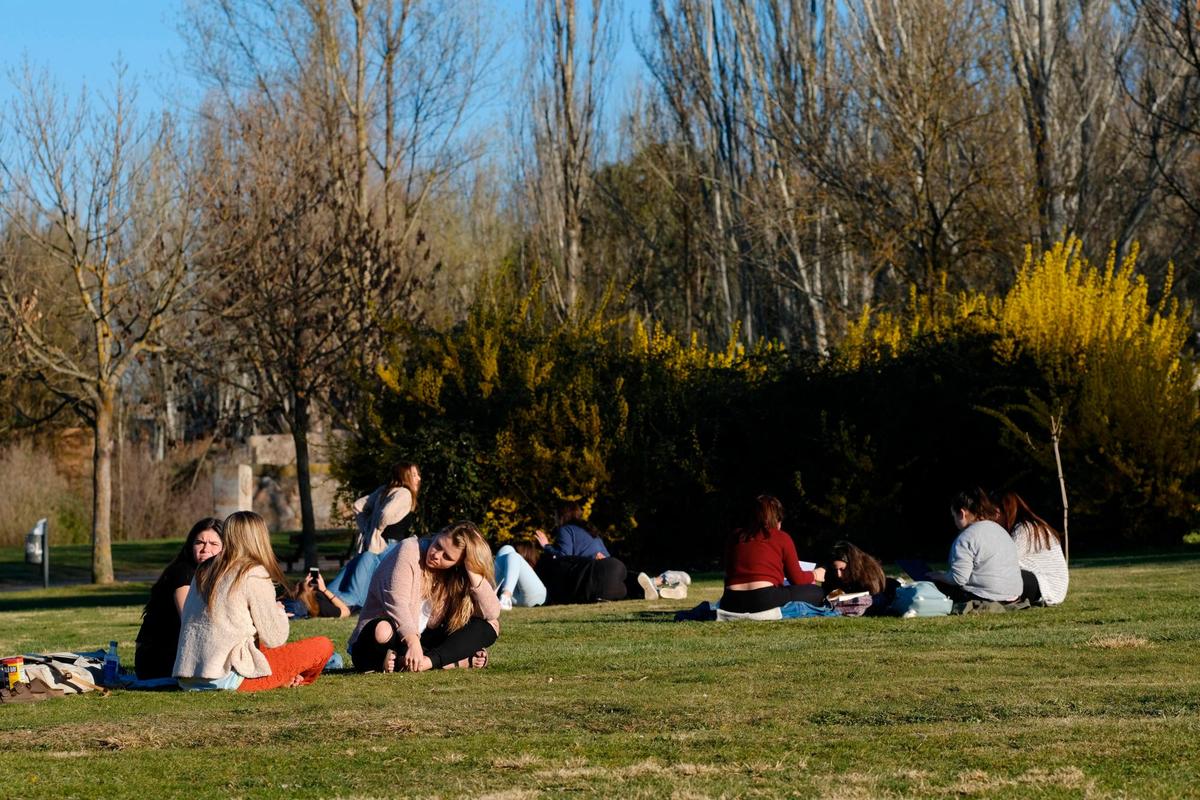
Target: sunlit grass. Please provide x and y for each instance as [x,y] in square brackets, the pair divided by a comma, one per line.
[1099,698]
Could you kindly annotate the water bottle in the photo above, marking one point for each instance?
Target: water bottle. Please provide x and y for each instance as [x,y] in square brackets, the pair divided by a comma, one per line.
[112,665]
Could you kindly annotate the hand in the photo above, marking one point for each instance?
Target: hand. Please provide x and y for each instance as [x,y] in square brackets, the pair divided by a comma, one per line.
[598,556]
[819,574]
[320,583]
[542,538]
[414,655]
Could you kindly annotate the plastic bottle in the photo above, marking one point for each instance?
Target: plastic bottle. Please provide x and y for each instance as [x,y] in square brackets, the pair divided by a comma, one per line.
[112,665]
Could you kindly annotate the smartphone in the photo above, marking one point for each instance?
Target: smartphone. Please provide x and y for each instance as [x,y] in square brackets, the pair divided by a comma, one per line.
[313,574]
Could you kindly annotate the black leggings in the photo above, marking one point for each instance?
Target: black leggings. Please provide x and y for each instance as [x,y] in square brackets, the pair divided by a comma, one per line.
[441,646]
[1031,588]
[751,601]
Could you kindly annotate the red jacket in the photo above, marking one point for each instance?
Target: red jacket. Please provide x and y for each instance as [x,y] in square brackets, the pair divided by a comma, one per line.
[763,558]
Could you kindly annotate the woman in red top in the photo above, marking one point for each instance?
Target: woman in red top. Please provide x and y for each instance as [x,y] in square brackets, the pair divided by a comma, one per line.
[757,560]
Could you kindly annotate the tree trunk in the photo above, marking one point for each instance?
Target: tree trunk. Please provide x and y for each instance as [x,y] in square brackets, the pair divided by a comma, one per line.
[102,568]
[304,479]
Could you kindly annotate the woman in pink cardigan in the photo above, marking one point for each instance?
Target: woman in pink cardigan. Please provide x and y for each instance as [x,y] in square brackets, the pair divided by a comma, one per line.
[431,605]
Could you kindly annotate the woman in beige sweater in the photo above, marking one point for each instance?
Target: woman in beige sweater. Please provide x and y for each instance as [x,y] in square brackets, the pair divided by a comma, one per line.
[233,633]
[430,605]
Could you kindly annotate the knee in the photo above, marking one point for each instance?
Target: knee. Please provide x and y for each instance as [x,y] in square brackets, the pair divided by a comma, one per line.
[383,631]
[325,645]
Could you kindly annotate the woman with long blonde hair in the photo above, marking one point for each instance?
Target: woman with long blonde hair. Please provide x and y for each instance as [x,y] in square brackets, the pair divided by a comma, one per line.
[233,632]
[431,605]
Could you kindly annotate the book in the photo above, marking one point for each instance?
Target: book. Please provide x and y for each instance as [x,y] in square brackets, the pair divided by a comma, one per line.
[838,596]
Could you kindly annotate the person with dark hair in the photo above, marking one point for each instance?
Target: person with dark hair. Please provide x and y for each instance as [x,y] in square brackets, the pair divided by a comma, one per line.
[517,582]
[574,536]
[983,558]
[1039,554]
[383,517]
[853,570]
[759,557]
[233,633]
[158,638]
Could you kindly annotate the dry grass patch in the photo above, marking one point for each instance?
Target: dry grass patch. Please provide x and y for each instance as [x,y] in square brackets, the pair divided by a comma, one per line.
[1118,641]
[523,761]
[981,782]
[577,770]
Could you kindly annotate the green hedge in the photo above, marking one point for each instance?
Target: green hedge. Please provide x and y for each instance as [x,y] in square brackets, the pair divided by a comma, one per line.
[666,440]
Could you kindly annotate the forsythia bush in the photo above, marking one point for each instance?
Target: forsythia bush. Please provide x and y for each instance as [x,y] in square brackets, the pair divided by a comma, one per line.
[664,439]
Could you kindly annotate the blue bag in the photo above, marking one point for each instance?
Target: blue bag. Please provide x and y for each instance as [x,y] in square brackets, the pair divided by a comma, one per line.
[920,599]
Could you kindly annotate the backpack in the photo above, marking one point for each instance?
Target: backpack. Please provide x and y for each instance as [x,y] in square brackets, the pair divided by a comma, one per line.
[920,599]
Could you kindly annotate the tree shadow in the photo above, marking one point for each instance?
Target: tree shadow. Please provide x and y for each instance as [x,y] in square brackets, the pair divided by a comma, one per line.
[91,597]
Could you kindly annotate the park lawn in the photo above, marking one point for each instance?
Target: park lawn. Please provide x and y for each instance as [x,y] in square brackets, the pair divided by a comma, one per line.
[132,560]
[1099,698]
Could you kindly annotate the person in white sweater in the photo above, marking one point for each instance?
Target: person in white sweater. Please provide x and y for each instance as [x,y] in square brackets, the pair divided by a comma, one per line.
[1039,553]
[233,633]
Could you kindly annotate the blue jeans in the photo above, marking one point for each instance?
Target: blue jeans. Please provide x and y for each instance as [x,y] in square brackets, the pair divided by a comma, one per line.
[514,575]
[354,579]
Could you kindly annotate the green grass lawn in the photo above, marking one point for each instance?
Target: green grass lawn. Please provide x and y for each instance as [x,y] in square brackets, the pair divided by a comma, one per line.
[1099,698]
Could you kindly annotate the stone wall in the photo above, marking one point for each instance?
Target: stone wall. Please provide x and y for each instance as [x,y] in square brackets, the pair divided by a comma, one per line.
[268,485]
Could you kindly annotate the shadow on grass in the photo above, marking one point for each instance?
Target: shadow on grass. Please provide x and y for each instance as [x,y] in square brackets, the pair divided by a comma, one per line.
[629,616]
[59,599]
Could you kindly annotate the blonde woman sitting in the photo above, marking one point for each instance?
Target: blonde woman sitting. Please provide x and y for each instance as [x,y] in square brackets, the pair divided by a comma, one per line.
[431,605]
[233,634]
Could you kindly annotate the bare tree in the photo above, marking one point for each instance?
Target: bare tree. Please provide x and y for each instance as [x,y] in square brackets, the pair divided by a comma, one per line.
[367,100]
[103,201]
[570,54]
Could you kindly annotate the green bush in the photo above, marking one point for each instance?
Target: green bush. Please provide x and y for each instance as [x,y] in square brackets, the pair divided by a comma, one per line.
[664,440]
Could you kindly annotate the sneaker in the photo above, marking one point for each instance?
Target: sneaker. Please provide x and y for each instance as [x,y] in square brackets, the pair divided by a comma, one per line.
[673,591]
[506,602]
[672,576]
[647,585]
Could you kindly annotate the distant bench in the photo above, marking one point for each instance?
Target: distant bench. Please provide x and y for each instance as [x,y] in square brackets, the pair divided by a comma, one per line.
[342,537]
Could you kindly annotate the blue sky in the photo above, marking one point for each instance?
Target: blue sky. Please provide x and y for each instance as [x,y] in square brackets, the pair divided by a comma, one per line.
[78,42]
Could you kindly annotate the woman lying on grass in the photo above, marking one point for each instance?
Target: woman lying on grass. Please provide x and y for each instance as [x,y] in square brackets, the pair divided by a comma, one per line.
[759,557]
[431,605]
[158,638]
[234,634]
[517,583]
[311,598]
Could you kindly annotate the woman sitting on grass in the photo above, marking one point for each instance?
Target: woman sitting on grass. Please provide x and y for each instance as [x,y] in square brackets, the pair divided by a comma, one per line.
[517,584]
[431,605]
[234,634]
[983,558]
[158,638]
[758,559]
[1039,554]
[383,518]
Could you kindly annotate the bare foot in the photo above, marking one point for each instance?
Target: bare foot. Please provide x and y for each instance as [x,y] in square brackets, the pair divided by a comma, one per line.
[296,681]
[480,659]
[389,661]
